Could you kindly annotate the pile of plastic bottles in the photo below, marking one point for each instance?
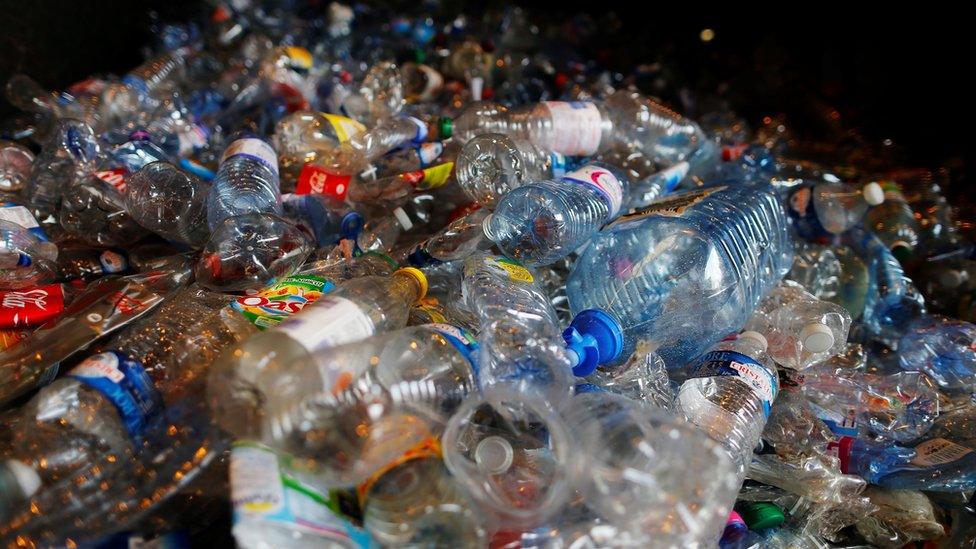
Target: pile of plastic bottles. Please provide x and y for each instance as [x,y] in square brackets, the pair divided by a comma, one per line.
[370,280]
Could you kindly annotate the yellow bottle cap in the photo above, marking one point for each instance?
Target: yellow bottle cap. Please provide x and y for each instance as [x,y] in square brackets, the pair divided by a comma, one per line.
[417,275]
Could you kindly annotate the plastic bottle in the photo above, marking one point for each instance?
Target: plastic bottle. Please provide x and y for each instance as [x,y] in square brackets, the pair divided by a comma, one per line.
[730,394]
[170,202]
[326,218]
[709,254]
[490,165]
[94,212]
[801,330]
[584,128]
[399,186]
[631,448]
[411,159]
[123,99]
[894,222]
[246,182]
[343,413]
[304,136]
[26,256]
[15,166]
[69,153]
[840,207]
[542,222]
[456,241]
[943,348]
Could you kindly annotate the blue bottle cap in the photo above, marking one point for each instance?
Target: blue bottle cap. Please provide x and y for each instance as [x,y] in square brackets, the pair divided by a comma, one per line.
[596,338]
[351,225]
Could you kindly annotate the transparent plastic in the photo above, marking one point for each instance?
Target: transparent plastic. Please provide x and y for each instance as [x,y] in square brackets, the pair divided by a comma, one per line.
[15,166]
[943,348]
[169,202]
[490,165]
[840,207]
[245,183]
[69,154]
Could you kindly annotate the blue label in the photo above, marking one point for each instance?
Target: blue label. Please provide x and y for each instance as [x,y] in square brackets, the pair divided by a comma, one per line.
[558,163]
[197,169]
[462,340]
[730,363]
[125,383]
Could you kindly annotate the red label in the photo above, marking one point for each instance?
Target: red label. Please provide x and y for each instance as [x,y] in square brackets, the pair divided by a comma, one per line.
[31,307]
[115,178]
[733,152]
[413,177]
[314,179]
[9,338]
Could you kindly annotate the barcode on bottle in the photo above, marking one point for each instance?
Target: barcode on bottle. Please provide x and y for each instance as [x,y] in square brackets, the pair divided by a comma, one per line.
[937,452]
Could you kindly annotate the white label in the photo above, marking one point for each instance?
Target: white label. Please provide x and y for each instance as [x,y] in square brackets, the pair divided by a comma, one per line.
[101,365]
[937,452]
[576,127]
[255,482]
[19,215]
[254,148]
[331,321]
[428,152]
[603,182]
[421,134]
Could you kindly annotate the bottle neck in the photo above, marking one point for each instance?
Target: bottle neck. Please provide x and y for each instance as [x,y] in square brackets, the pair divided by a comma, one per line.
[405,288]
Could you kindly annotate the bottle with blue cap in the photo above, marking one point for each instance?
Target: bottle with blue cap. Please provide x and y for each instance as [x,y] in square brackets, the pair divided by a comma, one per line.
[328,219]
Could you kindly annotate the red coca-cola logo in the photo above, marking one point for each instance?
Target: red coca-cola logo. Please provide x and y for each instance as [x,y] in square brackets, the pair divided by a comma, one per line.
[31,307]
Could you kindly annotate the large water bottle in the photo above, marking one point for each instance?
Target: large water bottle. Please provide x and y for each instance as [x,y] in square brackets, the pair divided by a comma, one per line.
[943,348]
[545,221]
[246,182]
[490,165]
[170,202]
[686,271]
[894,222]
[730,394]
[346,412]
[635,474]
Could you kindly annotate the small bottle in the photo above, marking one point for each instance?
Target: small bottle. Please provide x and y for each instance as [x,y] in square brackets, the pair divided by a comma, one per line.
[246,182]
[490,165]
[894,222]
[840,207]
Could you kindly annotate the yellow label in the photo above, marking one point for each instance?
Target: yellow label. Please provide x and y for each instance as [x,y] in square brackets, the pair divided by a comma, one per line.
[515,271]
[345,128]
[300,57]
[436,176]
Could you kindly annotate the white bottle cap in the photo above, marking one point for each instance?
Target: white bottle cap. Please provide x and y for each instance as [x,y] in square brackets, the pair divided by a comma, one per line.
[494,454]
[951,278]
[873,193]
[25,475]
[757,337]
[403,218]
[816,337]
[477,88]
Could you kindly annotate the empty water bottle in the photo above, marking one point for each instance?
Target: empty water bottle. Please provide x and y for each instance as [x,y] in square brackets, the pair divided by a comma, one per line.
[685,272]
[246,182]
[490,165]
[894,222]
[169,202]
[943,348]
[69,154]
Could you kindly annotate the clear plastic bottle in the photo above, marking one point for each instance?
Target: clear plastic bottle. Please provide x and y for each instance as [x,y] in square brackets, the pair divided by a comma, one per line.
[398,186]
[246,182]
[418,504]
[410,159]
[585,128]
[457,241]
[542,222]
[69,154]
[840,207]
[686,272]
[25,257]
[637,459]
[730,394]
[894,222]
[122,100]
[380,95]
[943,348]
[342,414]
[15,166]
[304,136]
[490,165]
[93,211]
[801,330]
[169,202]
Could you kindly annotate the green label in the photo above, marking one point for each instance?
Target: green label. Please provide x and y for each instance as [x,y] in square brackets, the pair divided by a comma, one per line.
[269,307]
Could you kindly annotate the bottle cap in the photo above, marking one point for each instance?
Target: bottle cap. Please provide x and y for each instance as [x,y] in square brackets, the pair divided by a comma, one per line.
[351,225]
[951,278]
[596,338]
[445,128]
[816,337]
[417,275]
[494,454]
[26,477]
[757,337]
[761,515]
[873,193]
[902,251]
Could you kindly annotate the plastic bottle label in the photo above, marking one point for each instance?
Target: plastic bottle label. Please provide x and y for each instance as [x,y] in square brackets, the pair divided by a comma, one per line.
[938,451]
[31,307]
[840,423]
[125,383]
[255,149]
[576,127]
[421,134]
[672,206]
[333,321]
[730,363]
[115,178]
[260,491]
[269,307]
[15,213]
[603,182]
[112,262]
[429,152]
[300,57]
[462,340]
[315,179]
[674,175]
[429,178]
[510,269]
[345,128]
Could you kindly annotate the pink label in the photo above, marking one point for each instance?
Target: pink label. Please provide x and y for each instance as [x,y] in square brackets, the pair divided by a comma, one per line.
[603,182]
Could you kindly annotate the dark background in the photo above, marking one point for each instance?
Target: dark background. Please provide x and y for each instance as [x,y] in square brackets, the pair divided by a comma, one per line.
[899,76]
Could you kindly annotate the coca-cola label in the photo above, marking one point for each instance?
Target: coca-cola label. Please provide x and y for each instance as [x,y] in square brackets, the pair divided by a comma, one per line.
[31,307]
[315,179]
[115,178]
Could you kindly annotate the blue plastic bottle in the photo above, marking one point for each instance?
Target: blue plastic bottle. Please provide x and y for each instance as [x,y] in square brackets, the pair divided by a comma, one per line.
[943,348]
[686,271]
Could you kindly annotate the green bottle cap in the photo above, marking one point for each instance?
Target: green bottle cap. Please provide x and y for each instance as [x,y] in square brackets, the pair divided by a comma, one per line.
[419,56]
[902,251]
[761,515]
[446,128]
